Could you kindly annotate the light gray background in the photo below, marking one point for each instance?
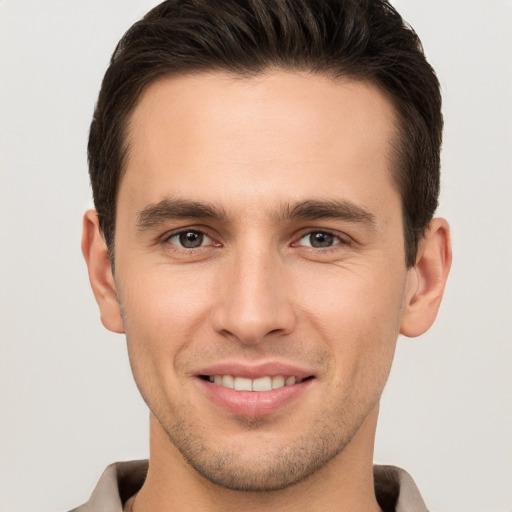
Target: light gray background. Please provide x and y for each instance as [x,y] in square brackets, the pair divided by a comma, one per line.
[68,403]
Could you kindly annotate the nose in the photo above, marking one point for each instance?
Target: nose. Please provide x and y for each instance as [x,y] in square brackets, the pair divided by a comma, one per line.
[254,301]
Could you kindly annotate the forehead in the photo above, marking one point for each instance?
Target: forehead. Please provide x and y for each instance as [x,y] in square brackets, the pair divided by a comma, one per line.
[282,135]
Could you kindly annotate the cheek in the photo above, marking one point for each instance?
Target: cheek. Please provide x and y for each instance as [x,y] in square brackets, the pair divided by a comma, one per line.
[353,297]
[358,313]
[164,302]
[162,315]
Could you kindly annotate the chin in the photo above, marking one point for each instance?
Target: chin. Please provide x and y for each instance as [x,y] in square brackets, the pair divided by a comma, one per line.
[261,464]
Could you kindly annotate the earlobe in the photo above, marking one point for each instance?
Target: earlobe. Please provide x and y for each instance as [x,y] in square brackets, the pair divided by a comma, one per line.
[427,279]
[101,278]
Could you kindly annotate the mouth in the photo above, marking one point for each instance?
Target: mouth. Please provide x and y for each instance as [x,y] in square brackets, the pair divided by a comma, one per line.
[254,391]
[265,383]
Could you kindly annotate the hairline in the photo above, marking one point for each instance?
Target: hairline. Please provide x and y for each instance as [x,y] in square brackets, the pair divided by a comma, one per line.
[396,142]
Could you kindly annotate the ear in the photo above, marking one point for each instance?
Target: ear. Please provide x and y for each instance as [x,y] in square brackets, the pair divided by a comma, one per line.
[427,279]
[101,278]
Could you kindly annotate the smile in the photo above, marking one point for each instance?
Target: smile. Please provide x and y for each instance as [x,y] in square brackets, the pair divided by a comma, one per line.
[266,383]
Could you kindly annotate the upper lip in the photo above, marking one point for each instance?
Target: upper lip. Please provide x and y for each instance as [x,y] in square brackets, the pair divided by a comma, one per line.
[255,371]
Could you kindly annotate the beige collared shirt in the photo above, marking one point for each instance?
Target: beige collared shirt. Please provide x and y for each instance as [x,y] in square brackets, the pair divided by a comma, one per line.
[394,488]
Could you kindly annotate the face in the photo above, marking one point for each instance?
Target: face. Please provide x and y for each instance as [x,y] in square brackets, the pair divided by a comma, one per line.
[260,268]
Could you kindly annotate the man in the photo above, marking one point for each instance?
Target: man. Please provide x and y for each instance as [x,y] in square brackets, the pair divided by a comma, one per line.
[265,174]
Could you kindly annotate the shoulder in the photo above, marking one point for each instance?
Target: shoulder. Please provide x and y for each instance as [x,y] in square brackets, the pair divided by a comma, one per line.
[396,491]
[118,482]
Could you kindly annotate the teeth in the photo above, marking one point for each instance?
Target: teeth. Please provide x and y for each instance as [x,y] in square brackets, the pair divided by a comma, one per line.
[261,384]
[278,382]
[242,384]
[227,381]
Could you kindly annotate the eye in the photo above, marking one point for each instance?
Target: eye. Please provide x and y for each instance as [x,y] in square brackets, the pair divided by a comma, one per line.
[319,240]
[190,239]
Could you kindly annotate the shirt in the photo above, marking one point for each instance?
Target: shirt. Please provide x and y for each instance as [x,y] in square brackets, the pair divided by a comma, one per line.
[394,488]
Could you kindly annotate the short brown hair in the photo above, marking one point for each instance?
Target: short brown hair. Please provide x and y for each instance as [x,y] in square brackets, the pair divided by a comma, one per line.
[361,39]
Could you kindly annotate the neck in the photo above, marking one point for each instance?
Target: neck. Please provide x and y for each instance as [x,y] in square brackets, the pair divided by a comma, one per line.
[343,484]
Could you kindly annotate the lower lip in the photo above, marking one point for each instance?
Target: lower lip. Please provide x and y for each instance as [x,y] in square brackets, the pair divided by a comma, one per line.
[254,403]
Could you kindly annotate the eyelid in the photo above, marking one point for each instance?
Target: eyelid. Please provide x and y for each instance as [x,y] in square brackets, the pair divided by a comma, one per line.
[178,231]
[344,239]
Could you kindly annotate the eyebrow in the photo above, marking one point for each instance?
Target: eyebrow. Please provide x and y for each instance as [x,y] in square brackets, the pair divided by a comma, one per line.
[331,209]
[172,209]
[175,209]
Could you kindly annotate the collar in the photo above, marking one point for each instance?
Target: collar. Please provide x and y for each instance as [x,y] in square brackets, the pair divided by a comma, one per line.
[395,489]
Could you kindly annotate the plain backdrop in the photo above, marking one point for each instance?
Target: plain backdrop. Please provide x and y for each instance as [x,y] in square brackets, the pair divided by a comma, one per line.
[68,403]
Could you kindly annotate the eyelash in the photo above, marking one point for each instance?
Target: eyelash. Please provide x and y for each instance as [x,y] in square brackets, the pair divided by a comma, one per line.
[201,232]
[342,239]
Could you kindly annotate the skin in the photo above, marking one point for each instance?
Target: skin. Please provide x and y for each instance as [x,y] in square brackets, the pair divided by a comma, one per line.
[255,291]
